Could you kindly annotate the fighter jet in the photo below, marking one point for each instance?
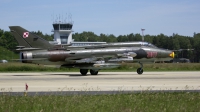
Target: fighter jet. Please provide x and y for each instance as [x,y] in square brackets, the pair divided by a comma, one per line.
[37,50]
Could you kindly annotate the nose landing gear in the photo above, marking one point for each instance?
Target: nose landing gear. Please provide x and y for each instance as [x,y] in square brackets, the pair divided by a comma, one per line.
[140,70]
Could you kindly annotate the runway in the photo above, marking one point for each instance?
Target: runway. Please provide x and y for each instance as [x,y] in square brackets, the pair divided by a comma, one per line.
[105,81]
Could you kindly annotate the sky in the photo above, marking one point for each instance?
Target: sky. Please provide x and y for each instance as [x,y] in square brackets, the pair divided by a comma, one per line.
[118,17]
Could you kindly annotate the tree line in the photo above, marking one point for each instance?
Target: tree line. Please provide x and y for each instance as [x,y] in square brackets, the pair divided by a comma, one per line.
[184,46]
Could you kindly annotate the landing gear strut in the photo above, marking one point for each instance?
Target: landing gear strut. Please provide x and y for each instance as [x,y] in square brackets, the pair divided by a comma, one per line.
[140,70]
[93,72]
[83,71]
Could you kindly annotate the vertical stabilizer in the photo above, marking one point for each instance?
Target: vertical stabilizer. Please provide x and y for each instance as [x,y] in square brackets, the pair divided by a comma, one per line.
[28,39]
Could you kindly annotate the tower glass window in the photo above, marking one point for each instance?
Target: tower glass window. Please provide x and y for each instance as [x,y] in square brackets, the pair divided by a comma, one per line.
[56,26]
[63,27]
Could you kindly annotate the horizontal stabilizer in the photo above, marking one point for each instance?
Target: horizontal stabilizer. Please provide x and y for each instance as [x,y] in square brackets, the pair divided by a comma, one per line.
[28,49]
[38,59]
[20,46]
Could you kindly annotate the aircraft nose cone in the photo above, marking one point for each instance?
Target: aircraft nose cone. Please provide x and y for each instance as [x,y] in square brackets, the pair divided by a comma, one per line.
[172,55]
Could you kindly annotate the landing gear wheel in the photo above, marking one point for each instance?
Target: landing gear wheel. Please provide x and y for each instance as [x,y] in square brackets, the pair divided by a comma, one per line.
[93,72]
[139,71]
[83,71]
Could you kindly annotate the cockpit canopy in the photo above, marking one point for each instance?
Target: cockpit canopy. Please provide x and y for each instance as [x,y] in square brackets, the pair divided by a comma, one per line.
[147,44]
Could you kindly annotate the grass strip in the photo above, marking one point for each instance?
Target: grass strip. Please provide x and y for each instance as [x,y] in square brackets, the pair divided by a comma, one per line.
[148,102]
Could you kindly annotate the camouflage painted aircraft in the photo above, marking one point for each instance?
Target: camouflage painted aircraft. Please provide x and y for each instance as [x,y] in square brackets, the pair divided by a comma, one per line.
[93,58]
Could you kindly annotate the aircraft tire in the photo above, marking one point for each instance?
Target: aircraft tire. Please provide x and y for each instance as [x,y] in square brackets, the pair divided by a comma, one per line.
[93,72]
[83,71]
[139,71]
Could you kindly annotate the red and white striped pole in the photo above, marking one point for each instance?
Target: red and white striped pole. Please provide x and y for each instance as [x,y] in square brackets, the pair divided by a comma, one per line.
[26,89]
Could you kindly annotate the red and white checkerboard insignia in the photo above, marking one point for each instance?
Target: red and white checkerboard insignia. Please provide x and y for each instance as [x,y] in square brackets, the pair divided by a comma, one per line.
[25,35]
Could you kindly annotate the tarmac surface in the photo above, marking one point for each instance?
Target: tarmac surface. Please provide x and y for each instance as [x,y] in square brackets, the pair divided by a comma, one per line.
[103,83]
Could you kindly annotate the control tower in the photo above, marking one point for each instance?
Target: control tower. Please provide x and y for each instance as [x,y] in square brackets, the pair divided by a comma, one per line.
[62,32]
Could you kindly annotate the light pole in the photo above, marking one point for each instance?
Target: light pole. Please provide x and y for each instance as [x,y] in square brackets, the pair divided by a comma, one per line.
[142,34]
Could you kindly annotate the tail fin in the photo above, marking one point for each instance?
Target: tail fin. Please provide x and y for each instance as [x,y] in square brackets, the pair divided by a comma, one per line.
[28,39]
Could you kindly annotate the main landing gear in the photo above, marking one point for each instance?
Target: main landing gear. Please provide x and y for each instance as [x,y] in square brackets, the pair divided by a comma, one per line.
[85,71]
[93,72]
[140,70]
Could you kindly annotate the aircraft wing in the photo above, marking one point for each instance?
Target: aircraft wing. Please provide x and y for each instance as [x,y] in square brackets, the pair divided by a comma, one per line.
[106,45]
